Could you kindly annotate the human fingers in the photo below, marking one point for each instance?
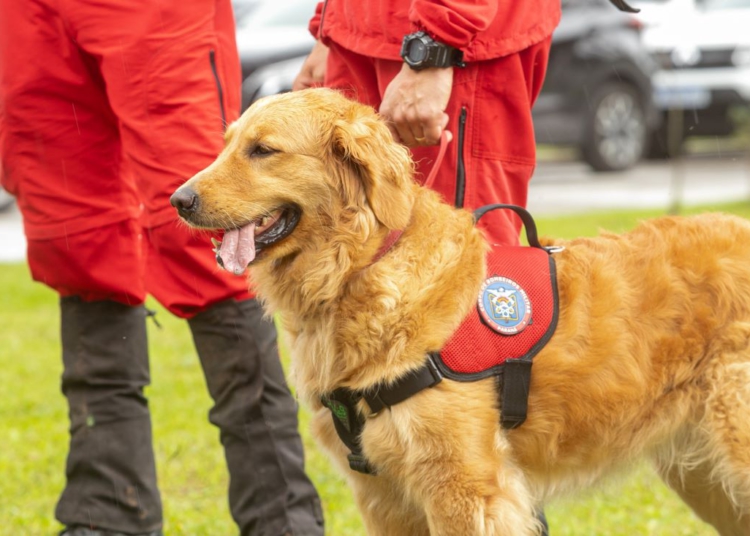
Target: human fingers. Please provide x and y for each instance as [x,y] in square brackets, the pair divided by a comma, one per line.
[312,73]
[430,129]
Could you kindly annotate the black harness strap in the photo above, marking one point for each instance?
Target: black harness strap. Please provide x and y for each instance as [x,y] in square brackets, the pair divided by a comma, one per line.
[516,381]
[528,221]
[623,6]
[386,395]
[349,423]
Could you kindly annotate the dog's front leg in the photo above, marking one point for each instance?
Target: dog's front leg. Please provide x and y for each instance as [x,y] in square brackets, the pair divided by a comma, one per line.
[444,448]
[385,510]
[465,502]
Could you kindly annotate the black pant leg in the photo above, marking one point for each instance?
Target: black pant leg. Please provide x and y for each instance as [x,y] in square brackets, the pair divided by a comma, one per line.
[269,493]
[110,469]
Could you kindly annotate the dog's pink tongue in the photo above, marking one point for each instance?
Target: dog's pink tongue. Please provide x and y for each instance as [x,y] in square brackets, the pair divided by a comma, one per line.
[238,249]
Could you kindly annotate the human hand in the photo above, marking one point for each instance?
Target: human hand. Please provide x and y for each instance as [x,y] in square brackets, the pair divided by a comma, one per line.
[313,71]
[414,105]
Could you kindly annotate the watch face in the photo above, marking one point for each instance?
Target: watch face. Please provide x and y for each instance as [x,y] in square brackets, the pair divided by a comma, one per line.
[417,51]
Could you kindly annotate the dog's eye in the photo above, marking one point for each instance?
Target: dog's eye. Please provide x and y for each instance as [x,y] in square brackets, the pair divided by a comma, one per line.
[261,150]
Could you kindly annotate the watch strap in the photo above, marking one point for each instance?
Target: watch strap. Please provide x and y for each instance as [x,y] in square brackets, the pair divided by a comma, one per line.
[446,56]
[438,54]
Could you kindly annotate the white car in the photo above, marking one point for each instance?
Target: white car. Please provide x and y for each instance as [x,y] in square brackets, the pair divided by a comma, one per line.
[704,59]
[657,12]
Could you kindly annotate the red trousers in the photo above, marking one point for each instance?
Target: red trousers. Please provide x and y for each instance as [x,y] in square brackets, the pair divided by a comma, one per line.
[490,118]
[106,107]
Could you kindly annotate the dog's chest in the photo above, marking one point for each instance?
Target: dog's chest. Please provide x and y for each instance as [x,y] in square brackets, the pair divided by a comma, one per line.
[514,317]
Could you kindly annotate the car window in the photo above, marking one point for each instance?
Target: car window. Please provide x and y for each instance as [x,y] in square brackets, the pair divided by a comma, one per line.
[725,4]
[270,14]
[243,8]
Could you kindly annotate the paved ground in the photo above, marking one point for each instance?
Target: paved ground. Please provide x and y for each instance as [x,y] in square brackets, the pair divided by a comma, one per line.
[569,187]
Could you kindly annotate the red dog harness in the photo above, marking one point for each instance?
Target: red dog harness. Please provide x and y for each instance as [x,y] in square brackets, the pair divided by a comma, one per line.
[514,318]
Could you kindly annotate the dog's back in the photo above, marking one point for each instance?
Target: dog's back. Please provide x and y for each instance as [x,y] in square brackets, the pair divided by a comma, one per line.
[651,355]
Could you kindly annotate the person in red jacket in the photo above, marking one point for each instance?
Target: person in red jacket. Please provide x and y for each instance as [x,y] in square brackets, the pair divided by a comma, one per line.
[106,107]
[474,68]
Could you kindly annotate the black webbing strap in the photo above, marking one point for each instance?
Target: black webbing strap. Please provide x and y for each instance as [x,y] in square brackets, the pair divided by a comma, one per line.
[622,5]
[349,423]
[386,395]
[528,221]
[515,392]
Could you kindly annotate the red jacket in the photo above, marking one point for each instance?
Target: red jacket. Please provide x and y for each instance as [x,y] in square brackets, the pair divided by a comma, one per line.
[483,29]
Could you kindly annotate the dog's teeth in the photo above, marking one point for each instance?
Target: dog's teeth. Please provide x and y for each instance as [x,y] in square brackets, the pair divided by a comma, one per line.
[215,242]
[263,221]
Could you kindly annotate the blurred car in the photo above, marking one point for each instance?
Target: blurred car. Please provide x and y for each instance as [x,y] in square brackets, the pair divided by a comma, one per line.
[271,31]
[271,79]
[654,13]
[704,60]
[597,95]
[242,8]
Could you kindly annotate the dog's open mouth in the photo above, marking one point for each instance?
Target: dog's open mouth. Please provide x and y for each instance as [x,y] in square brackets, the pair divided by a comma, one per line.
[242,245]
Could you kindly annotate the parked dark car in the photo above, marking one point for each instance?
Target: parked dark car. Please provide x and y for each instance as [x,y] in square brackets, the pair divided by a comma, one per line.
[597,95]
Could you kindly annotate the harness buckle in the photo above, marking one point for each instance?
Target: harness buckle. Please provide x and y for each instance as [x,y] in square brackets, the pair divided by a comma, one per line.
[434,370]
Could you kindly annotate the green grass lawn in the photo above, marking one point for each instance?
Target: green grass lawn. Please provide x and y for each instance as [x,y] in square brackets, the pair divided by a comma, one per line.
[193,480]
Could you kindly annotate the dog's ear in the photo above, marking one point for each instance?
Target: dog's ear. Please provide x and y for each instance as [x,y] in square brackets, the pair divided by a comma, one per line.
[363,143]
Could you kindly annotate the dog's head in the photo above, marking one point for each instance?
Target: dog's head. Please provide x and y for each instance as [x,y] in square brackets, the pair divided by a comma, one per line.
[297,169]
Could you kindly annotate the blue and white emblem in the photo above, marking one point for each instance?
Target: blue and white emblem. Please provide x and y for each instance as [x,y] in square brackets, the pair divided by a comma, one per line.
[504,305]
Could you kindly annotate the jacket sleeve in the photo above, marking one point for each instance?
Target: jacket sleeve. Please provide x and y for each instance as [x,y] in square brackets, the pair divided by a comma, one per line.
[453,22]
[314,25]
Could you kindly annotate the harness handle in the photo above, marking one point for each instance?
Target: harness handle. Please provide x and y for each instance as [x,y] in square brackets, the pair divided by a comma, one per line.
[528,221]
[622,5]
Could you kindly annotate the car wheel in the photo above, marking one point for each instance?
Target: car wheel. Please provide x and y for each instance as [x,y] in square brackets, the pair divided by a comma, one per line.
[615,128]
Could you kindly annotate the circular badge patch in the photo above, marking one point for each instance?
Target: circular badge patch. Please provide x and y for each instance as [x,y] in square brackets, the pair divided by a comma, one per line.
[504,305]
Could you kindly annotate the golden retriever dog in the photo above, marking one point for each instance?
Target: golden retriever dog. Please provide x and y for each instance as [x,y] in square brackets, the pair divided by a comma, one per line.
[650,358]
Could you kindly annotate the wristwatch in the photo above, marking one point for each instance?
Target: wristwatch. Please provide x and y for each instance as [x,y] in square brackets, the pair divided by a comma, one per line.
[421,51]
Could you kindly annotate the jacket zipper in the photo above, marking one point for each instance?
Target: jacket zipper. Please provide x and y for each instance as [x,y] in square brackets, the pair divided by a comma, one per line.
[219,89]
[322,18]
[460,167]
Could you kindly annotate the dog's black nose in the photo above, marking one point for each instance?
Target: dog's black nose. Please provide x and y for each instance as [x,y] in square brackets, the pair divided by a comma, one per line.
[185,201]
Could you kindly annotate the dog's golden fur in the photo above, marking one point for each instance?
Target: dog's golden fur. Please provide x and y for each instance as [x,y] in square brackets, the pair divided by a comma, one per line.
[651,357]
